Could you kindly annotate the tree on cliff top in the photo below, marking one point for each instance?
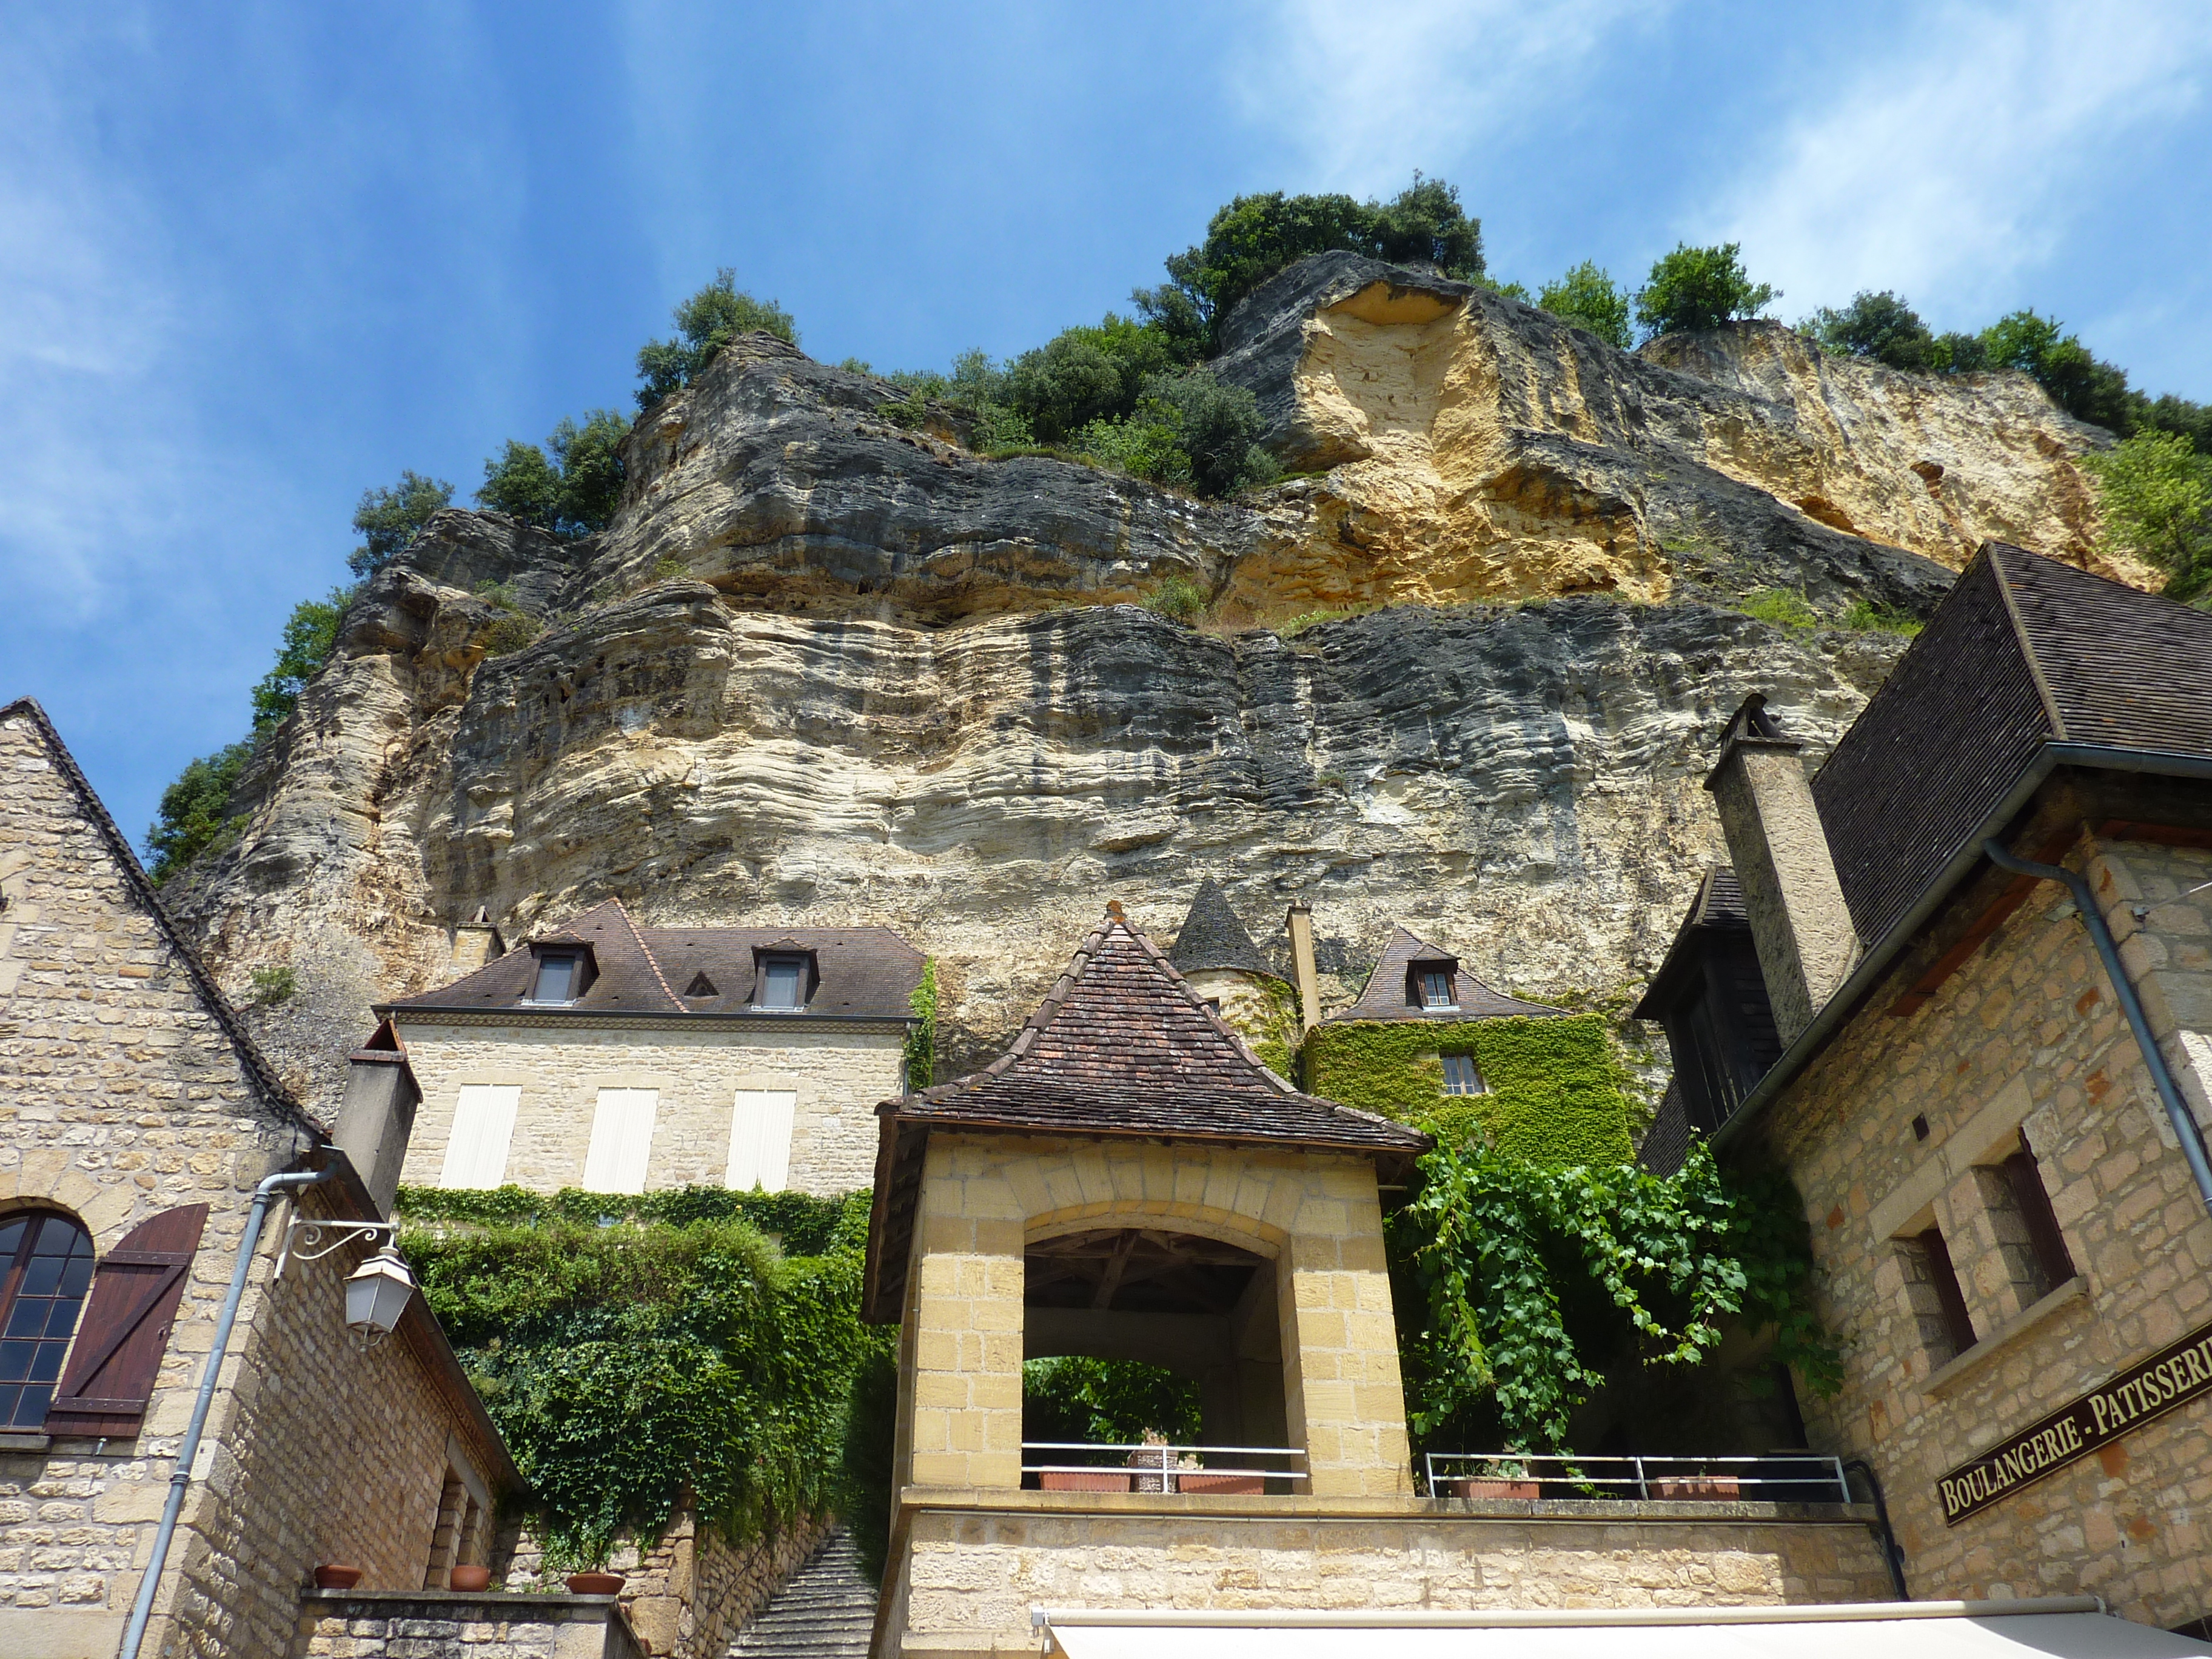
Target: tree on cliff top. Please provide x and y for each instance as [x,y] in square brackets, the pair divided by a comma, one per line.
[2156,491]
[1699,287]
[574,492]
[705,323]
[390,517]
[1589,298]
[1255,236]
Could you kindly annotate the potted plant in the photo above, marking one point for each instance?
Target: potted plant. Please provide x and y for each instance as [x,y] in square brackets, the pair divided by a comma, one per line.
[1496,1477]
[592,1577]
[336,1576]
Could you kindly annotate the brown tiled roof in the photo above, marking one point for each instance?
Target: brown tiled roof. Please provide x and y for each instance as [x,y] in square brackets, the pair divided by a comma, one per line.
[2023,651]
[1384,997]
[1121,1046]
[866,973]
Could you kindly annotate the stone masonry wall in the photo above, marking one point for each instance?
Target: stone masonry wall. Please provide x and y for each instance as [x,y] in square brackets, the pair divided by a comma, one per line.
[970,1573]
[839,1077]
[983,1199]
[2025,1036]
[441,1625]
[121,1096]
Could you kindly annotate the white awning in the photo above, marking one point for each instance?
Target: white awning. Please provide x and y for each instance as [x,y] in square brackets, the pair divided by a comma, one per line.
[2057,1629]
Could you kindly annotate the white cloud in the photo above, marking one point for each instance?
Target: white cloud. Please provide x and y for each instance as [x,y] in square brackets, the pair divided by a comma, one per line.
[1368,93]
[1958,157]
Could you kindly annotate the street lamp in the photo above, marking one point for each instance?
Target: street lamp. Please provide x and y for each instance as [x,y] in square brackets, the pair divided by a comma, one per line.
[377,1294]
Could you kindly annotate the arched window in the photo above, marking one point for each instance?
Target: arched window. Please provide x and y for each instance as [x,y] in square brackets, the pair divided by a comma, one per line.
[46,1266]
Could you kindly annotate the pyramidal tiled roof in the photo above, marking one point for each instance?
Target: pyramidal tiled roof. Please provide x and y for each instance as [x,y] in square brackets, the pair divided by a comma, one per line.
[1383,996]
[1210,937]
[1121,1046]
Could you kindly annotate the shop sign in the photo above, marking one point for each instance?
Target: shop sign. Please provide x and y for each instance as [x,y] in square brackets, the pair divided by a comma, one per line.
[2171,1377]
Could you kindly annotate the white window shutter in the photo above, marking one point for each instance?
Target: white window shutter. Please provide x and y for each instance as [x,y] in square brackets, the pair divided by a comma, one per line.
[622,1140]
[483,1124]
[760,1139]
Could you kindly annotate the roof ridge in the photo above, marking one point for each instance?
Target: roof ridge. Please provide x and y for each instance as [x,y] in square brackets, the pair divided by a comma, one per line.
[273,1090]
[2022,635]
[660,978]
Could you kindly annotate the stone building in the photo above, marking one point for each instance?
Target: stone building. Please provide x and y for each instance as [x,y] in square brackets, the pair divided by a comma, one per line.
[1128,1180]
[1959,984]
[138,1125]
[618,1058]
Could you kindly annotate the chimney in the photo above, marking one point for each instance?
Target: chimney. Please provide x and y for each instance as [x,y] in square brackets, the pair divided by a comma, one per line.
[377,1117]
[1298,922]
[1799,921]
[476,942]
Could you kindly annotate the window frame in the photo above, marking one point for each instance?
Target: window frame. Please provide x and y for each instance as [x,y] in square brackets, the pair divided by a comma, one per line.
[1423,978]
[574,960]
[801,967]
[49,1349]
[1473,1084]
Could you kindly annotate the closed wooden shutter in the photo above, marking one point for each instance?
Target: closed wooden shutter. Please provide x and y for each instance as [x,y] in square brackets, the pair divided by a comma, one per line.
[760,1138]
[483,1124]
[622,1140]
[125,1328]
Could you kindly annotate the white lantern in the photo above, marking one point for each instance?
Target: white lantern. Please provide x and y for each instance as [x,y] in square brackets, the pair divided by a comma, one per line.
[377,1294]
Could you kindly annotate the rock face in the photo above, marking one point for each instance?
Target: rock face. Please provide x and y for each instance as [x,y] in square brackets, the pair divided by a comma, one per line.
[824,666]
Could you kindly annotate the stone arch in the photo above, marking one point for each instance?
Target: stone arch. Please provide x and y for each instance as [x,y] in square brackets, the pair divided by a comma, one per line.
[47,1177]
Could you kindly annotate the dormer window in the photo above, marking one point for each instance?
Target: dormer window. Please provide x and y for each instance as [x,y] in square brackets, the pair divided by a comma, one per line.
[1436,986]
[559,974]
[786,982]
[701,986]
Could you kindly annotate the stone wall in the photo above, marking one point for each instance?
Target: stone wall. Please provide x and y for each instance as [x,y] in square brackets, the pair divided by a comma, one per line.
[441,1625]
[2024,1036]
[122,1095]
[967,1568]
[838,1075]
[1316,1217]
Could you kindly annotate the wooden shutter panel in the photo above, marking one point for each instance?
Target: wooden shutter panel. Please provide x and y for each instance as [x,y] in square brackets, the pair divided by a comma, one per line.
[125,1328]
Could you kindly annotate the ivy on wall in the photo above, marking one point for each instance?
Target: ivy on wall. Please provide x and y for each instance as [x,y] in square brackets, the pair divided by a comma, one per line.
[1555,1091]
[632,1348]
[1520,1285]
[921,1041]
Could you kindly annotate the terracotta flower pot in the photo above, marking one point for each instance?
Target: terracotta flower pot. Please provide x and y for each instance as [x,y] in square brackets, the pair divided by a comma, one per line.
[471,1579]
[336,1574]
[595,1583]
[1492,1486]
[1698,1486]
[1083,1480]
[1195,1481]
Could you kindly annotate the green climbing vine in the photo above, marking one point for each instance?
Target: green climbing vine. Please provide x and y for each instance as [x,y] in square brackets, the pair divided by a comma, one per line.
[921,1041]
[1522,1284]
[632,1348]
[1554,1092]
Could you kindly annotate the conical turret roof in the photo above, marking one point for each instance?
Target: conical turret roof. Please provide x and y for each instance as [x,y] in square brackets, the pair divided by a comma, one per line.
[1212,937]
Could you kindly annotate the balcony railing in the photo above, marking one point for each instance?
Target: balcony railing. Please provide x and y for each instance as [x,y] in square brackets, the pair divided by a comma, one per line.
[1776,1478]
[1085,1466]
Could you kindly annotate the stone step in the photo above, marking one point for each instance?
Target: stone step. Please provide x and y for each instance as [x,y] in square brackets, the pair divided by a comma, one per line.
[826,1611]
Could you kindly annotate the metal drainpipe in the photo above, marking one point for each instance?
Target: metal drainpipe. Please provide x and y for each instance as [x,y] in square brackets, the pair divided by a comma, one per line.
[1892,1553]
[142,1610]
[2185,1124]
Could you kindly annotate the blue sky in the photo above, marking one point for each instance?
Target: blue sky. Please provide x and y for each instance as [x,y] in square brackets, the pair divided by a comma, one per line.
[256,258]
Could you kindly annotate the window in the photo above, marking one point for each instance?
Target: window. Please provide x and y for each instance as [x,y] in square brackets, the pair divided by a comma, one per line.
[484,1123]
[557,978]
[1953,1326]
[783,982]
[2054,1263]
[1436,988]
[1461,1077]
[622,1140]
[46,1264]
[760,1139]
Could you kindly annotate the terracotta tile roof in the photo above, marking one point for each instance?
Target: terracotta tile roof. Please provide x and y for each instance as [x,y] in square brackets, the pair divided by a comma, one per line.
[1121,1046]
[2023,651]
[1210,937]
[1384,996]
[865,972]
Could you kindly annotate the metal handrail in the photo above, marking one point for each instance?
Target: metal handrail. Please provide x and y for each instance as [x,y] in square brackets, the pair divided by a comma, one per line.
[1166,1469]
[1572,1478]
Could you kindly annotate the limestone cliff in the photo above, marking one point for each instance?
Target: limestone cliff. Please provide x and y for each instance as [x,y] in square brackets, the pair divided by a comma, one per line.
[825,667]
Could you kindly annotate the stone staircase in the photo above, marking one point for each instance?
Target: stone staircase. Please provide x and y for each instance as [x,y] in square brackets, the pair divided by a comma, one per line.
[826,1612]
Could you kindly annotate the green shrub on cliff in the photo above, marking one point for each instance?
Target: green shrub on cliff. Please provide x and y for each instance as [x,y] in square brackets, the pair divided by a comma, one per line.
[1878,326]
[705,323]
[1253,237]
[311,634]
[2155,493]
[1699,287]
[194,814]
[572,492]
[1589,298]
[390,517]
